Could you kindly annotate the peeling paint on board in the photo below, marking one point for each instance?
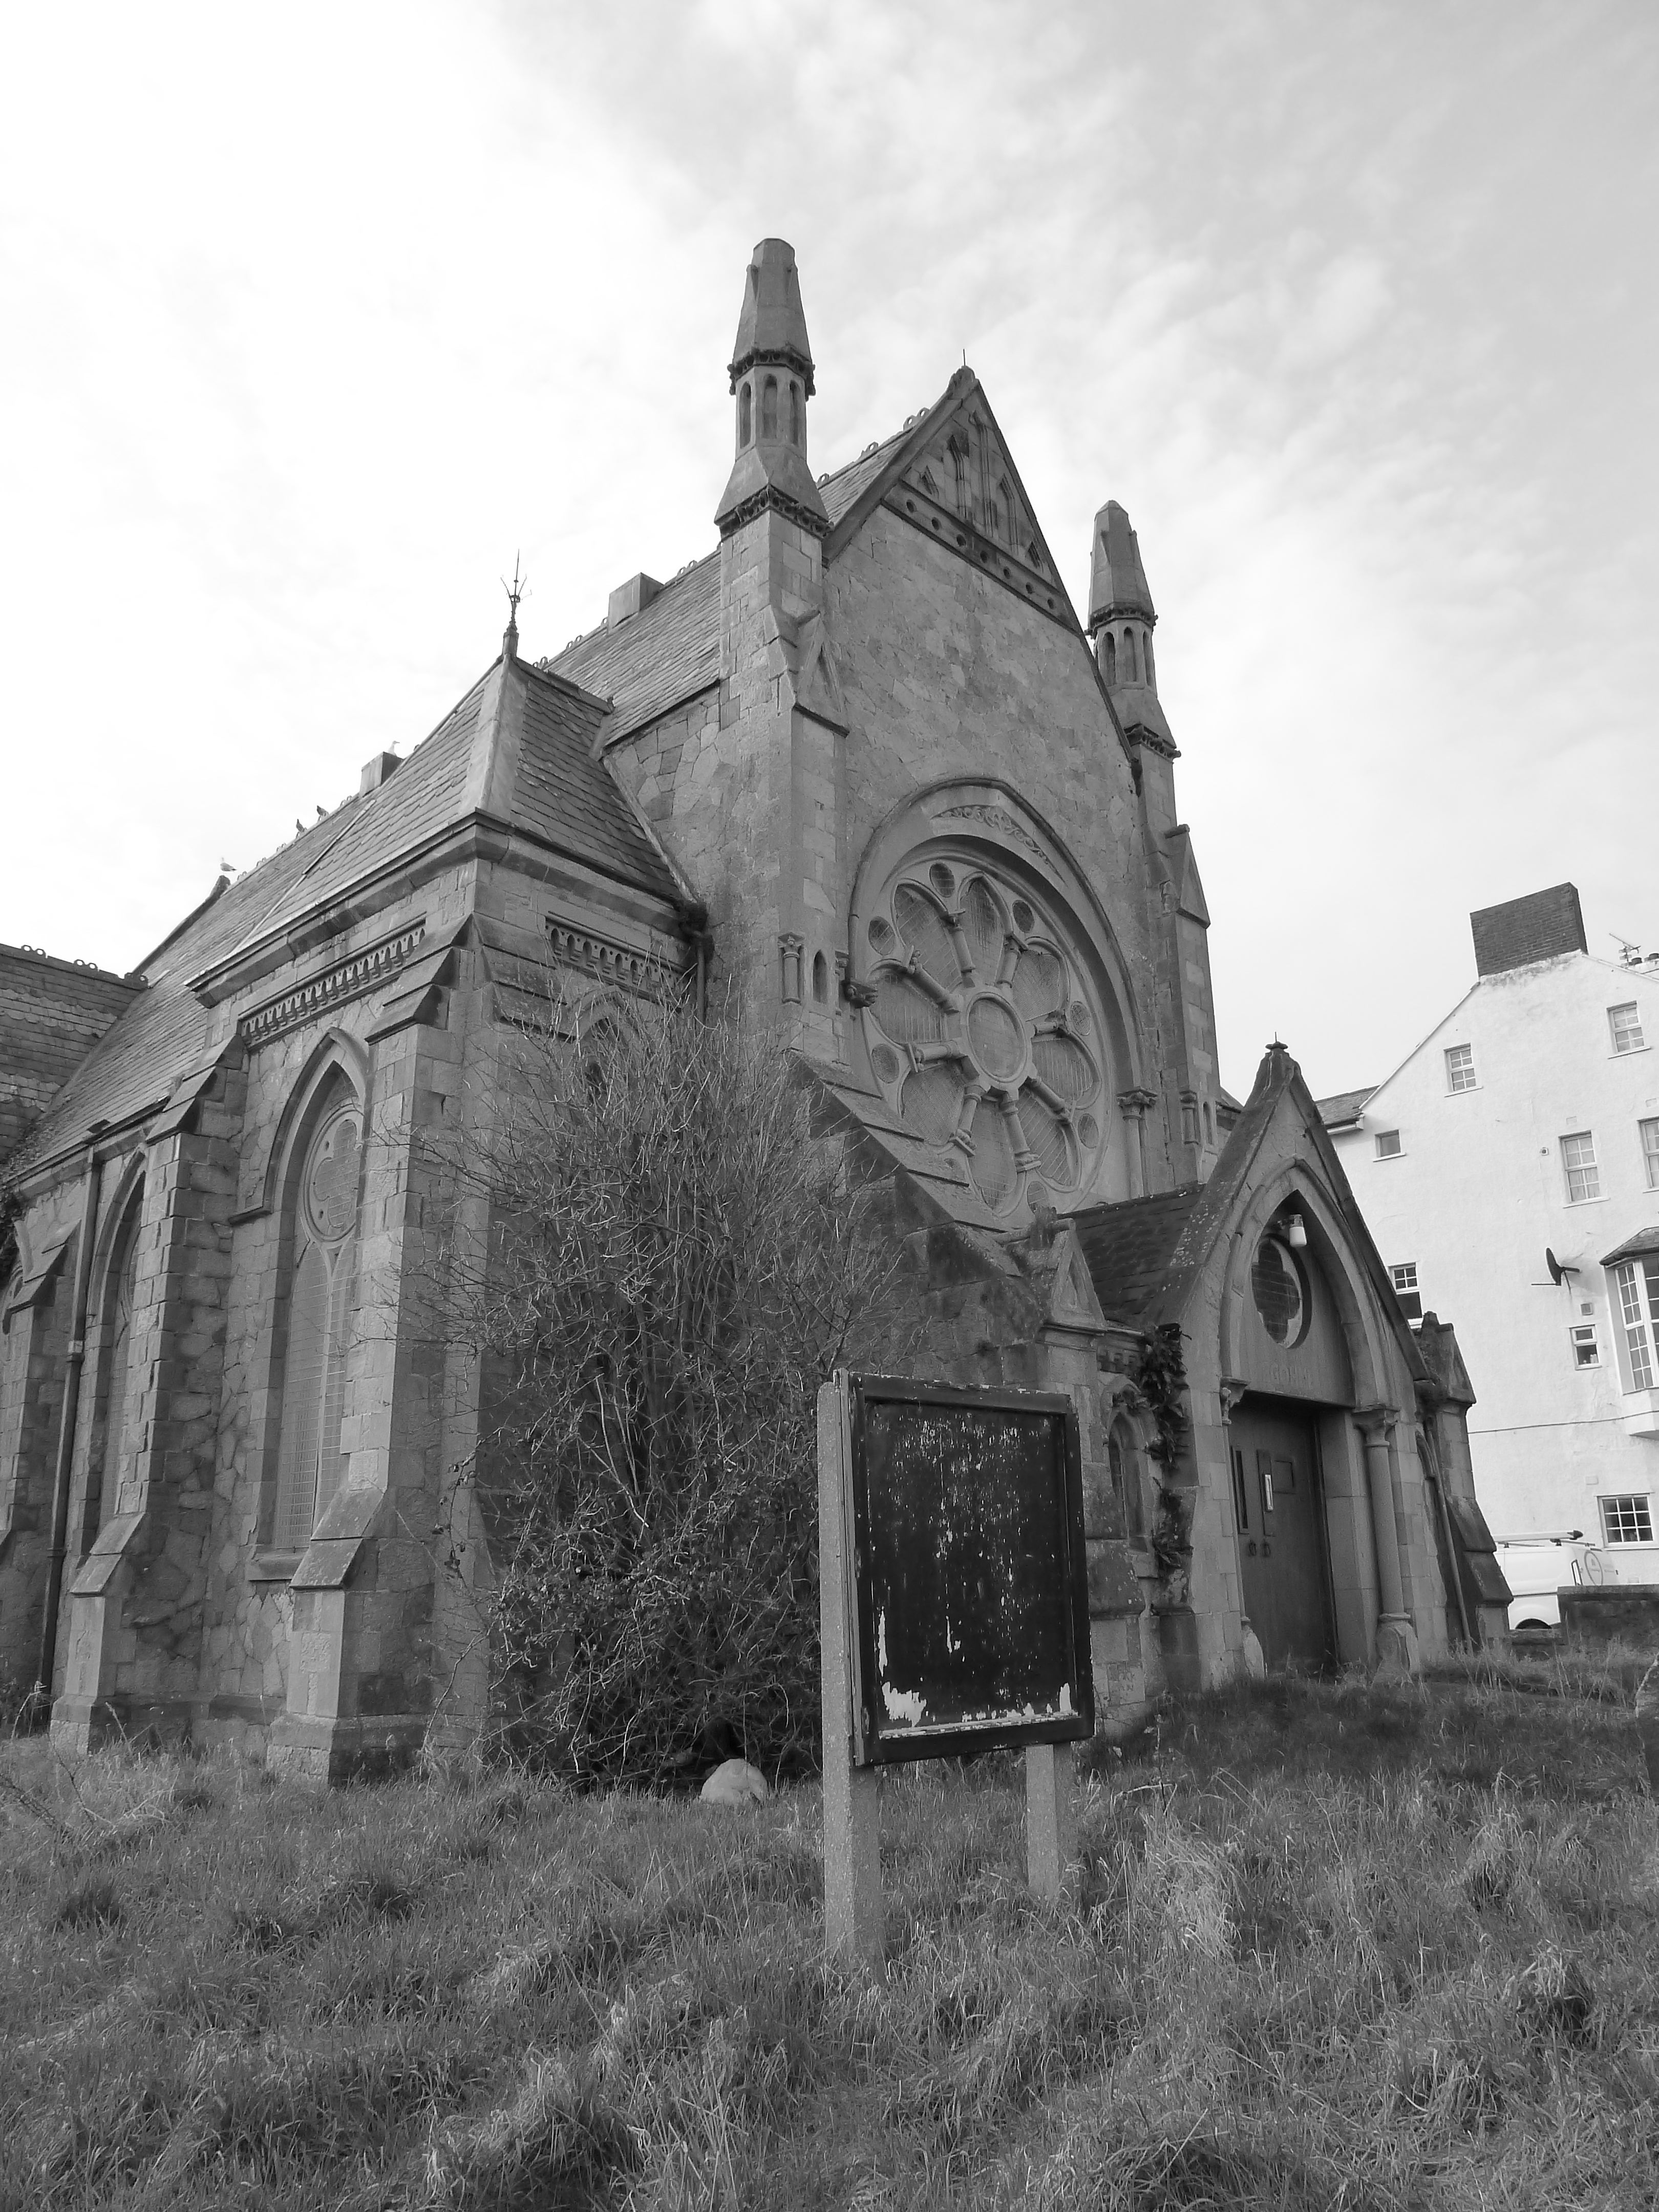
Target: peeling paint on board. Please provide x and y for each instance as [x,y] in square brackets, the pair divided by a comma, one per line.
[970,1569]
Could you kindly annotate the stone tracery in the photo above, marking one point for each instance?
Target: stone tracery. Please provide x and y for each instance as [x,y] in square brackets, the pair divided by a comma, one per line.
[983,1031]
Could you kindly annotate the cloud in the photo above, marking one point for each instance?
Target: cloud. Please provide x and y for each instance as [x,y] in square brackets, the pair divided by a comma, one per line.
[327,313]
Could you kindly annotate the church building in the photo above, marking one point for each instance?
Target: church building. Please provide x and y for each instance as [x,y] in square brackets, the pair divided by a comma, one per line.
[862,766]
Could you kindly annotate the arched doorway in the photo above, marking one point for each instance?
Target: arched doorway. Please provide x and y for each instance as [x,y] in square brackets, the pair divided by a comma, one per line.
[1292,1362]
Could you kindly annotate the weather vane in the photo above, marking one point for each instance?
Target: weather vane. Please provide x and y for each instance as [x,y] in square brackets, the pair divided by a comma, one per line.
[517,590]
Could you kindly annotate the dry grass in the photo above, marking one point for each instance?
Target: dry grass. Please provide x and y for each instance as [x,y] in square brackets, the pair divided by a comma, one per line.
[1333,1946]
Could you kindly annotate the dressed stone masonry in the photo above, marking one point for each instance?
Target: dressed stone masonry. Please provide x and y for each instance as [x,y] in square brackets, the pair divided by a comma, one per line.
[863,767]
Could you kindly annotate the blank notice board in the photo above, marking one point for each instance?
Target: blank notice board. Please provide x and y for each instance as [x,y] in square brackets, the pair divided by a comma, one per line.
[972,1600]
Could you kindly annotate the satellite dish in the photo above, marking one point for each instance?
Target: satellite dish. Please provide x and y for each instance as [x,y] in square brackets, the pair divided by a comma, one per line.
[1558,1267]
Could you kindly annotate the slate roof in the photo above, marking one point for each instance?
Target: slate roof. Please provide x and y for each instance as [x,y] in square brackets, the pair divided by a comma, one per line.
[671,650]
[843,488]
[667,651]
[1643,1244]
[1128,1247]
[1343,1106]
[425,794]
[134,1064]
[564,795]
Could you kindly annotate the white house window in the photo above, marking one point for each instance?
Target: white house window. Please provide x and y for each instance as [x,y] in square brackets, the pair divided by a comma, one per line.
[1404,1278]
[1627,1520]
[1388,1144]
[1650,1132]
[1579,1160]
[1586,1352]
[1638,1296]
[1460,1067]
[1626,1026]
[310,1463]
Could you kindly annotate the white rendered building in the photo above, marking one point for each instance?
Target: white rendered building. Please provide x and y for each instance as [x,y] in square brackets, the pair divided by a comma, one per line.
[1509,1171]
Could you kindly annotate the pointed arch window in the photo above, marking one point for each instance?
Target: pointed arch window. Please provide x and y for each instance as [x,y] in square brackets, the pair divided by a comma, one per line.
[1123,1460]
[14,1376]
[310,1464]
[1147,655]
[1132,672]
[797,426]
[769,408]
[745,410]
[1111,657]
[104,1483]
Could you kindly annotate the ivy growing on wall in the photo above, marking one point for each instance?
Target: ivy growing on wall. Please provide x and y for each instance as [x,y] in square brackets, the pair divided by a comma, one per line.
[1160,1382]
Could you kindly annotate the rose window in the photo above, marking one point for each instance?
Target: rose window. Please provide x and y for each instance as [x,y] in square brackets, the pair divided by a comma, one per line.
[984,1033]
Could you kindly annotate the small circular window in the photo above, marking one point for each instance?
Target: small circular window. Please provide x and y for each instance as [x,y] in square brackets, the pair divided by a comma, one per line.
[1280,1287]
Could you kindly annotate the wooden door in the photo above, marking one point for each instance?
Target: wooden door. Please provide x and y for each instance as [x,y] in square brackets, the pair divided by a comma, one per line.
[1281,1533]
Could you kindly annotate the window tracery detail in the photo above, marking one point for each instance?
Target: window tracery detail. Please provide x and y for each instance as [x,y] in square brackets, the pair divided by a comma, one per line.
[120,1292]
[984,1032]
[310,1464]
[14,1380]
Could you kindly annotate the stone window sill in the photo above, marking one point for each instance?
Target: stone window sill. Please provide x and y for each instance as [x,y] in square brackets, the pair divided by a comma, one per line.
[274,1566]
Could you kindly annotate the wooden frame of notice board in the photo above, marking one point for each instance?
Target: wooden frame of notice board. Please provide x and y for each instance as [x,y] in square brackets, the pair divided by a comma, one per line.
[969,1583]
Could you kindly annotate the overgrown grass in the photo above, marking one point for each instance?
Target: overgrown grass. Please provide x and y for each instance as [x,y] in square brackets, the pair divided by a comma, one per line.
[1331,1945]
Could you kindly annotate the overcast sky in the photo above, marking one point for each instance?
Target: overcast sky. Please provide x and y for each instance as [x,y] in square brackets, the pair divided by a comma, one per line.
[315,315]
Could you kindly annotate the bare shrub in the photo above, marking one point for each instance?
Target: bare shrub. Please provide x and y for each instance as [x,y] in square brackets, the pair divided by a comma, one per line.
[677,1262]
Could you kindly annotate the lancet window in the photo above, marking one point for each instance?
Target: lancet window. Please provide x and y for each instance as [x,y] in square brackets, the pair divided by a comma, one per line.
[121,1286]
[13,1375]
[321,1240]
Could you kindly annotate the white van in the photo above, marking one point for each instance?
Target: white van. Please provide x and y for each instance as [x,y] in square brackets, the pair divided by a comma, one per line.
[1535,1567]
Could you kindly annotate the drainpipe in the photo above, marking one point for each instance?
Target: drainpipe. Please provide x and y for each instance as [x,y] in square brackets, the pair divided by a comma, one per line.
[66,1426]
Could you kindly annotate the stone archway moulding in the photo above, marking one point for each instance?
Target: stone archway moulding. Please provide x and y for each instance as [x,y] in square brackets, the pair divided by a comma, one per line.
[337,1049]
[1327,1236]
[999,1015]
[987,812]
[114,1204]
